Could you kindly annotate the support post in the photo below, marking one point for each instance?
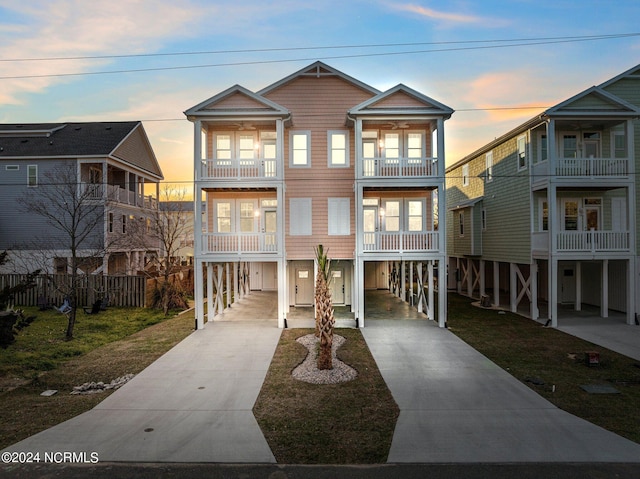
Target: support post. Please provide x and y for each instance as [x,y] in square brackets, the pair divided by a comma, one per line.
[496,283]
[430,305]
[211,300]
[534,289]
[605,289]
[553,291]
[513,287]
[578,303]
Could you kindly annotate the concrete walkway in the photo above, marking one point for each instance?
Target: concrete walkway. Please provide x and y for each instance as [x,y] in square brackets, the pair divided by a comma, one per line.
[191,405]
[456,406]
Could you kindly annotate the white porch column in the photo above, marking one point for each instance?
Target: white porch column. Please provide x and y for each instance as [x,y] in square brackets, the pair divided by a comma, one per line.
[229,288]
[198,286]
[482,278]
[578,304]
[442,291]
[282,291]
[604,312]
[403,284]
[631,289]
[211,299]
[553,291]
[411,283]
[534,289]
[235,281]
[430,305]
[513,287]
[496,283]
[359,313]
[458,276]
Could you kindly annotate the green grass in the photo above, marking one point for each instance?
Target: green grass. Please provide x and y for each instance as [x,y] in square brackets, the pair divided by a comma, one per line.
[345,423]
[42,345]
[528,350]
[106,346]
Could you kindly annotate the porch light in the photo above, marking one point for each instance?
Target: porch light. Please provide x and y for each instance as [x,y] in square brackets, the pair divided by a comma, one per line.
[256,145]
[381,144]
[381,211]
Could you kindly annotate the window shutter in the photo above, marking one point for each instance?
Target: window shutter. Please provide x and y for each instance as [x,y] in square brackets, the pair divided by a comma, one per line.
[339,216]
[300,216]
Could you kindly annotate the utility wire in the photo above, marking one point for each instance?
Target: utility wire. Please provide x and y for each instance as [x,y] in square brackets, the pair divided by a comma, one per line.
[325,47]
[362,55]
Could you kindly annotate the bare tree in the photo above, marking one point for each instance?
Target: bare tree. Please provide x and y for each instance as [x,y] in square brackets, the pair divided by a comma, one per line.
[171,226]
[76,214]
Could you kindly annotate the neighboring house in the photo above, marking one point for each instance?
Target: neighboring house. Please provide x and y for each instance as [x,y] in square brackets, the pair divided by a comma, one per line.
[113,161]
[320,158]
[180,211]
[546,215]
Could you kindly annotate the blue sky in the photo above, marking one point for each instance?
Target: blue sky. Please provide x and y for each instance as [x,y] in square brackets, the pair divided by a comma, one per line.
[454,64]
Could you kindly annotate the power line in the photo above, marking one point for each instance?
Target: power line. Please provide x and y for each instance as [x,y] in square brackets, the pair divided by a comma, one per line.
[362,55]
[325,47]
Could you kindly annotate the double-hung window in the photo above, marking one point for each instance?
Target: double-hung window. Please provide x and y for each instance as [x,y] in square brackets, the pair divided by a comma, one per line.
[32,175]
[465,175]
[338,148]
[415,216]
[522,152]
[223,145]
[300,148]
[489,167]
[392,215]
[223,217]
[415,147]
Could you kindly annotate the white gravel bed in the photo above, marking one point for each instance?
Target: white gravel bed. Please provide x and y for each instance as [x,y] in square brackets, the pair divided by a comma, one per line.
[308,370]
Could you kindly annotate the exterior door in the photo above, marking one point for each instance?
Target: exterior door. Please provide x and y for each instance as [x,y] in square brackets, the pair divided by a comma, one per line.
[270,228]
[270,276]
[336,285]
[592,217]
[370,221]
[304,287]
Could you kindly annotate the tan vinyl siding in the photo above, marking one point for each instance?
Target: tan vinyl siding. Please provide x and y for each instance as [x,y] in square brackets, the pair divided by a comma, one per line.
[629,90]
[507,202]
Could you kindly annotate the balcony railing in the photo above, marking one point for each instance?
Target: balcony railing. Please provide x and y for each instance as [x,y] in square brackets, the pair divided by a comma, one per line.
[256,168]
[585,167]
[239,243]
[583,241]
[119,195]
[401,241]
[592,241]
[397,167]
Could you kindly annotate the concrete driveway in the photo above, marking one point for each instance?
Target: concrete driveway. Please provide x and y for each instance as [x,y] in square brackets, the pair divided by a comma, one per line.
[456,406]
[194,404]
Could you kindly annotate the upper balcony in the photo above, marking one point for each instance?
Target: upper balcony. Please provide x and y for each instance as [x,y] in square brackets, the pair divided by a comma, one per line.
[591,242]
[580,168]
[118,195]
[106,182]
[263,168]
[395,168]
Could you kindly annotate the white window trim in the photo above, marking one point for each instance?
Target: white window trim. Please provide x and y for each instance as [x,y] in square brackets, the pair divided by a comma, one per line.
[306,133]
[29,176]
[347,159]
[423,214]
[339,217]
[461,224]
[465,175]
[542,135]
[541,202]
[522,139]
[614,134]
[488,160]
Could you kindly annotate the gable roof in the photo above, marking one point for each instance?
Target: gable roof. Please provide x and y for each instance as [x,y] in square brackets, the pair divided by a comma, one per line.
[73,140]
[318,69]
[246,103]
[593,101]
[401,100]
[633,72]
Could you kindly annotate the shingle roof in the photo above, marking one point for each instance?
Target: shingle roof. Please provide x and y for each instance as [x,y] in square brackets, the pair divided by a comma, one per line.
[62,139]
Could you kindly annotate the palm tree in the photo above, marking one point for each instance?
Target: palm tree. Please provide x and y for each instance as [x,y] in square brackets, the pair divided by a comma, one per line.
[324,309]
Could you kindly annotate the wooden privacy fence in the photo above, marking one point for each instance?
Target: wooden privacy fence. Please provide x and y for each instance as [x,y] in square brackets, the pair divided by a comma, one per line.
[51,289]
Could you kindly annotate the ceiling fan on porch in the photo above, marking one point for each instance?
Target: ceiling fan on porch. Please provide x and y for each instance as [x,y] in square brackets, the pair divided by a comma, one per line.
[399,125]
[244,126]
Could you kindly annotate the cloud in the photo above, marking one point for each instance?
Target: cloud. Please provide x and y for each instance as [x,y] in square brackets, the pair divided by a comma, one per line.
[63,29]
[439,15]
